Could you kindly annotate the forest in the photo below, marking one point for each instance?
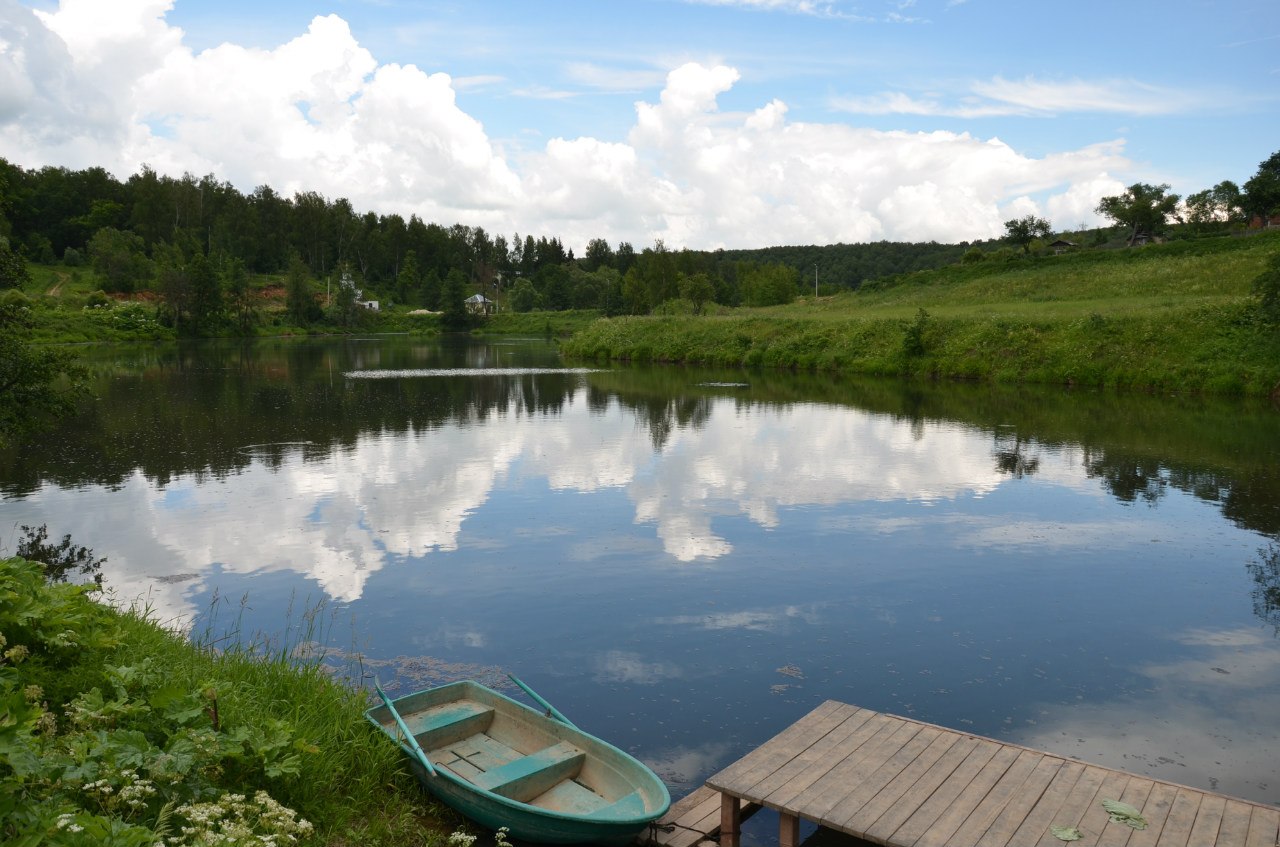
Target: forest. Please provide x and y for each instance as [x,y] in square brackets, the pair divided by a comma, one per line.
[196,243]
[203,249]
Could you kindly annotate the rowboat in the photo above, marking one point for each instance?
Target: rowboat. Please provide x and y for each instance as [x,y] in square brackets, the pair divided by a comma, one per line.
[503,764]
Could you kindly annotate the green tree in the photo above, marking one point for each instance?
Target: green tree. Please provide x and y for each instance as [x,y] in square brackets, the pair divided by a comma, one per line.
[1022,231]
[1262,191]
[1143,209]
[239,298]
[770,285]
[206,295]
[454,301]
[37,384]
[13,271]
[409,280]
[299,300]
[1217,205]
[120,259]
[697,289]
[524,297]
[599,254]
[174,277]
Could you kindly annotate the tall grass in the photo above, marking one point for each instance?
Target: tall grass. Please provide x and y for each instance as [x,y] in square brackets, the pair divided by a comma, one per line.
[1165,318]
[197,720]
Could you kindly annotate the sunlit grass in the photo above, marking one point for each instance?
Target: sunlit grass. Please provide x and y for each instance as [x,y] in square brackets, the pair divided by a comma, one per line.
[1174,317]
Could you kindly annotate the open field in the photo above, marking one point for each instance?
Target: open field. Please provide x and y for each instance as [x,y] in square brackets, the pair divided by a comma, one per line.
[1177,317]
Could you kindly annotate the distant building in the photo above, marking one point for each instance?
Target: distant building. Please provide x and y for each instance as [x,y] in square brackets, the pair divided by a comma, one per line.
[1062,245]
[478,304]
[1260,222]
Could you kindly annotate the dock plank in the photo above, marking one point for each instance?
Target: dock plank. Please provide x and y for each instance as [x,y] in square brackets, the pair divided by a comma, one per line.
[922,792]
[1264,827]
[931,810]
[782,746]
[1156,811]
[784,796]
[861,790]
[941,830]
[1182,814]
[1041,816]
[1020,803]
[893,794]
[990,807]
[801,771]
[902,783]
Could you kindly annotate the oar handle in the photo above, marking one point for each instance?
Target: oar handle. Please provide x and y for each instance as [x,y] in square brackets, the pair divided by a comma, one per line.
[551,710]
[413,742]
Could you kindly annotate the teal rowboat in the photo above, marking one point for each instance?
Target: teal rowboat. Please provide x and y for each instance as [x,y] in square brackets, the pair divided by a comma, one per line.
[501,763]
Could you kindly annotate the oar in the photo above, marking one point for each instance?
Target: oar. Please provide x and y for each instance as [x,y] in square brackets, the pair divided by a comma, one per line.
[413,742]
[551,710]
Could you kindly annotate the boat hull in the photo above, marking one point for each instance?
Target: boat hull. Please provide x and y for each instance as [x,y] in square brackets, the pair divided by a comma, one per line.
[503,764]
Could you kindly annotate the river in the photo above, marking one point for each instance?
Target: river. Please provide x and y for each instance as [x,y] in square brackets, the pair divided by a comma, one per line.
[686,561]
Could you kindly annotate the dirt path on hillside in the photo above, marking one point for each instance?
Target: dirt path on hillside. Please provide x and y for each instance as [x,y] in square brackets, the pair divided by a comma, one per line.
[56,288]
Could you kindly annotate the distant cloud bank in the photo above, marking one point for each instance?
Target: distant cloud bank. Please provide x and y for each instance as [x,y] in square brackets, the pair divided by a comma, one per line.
[116,85]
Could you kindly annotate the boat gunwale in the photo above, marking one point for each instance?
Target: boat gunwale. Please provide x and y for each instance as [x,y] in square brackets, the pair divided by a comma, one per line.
[441,772]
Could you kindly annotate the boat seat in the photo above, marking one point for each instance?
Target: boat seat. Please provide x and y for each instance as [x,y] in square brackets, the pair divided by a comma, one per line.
[439,727]
[625,808]
[527,777]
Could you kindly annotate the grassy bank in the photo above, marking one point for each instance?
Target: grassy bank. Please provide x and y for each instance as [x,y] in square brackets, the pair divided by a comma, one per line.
[67,308]
[118,731]
[1176,317]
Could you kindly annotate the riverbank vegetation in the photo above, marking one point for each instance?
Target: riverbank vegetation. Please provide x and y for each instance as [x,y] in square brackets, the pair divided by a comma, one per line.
[118,731]
[87,257]
[1167,317]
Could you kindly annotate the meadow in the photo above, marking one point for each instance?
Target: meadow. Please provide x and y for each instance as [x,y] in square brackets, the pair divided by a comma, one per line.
[1168,318]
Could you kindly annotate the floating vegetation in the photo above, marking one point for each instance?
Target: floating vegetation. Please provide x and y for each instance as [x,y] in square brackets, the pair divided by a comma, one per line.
[1066,833]
[171,579]
[465,372]
[791,671]
[403,672]
[1125,814]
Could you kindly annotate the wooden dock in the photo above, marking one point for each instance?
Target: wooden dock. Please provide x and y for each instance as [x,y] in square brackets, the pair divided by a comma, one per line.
[903,783]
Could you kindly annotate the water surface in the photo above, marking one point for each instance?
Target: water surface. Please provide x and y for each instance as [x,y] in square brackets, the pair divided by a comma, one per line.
[687,561]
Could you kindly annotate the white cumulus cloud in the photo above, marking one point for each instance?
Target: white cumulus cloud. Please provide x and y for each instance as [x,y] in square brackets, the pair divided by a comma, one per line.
[116,85]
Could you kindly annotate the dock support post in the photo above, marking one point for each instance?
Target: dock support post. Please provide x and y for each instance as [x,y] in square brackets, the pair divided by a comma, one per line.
[730,820]
[788,830]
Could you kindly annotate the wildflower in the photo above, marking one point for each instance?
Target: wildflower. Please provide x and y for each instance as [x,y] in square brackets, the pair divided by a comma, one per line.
[17,653]
[461,839]
[33,693]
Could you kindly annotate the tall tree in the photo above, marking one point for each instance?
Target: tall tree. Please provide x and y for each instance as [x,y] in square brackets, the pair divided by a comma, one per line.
[598,254]
[239,297]
[1022,231]
[118,257]
[1144,209]
[409,279]
[453,301]
[1262,191]
[299,300]
[206,295]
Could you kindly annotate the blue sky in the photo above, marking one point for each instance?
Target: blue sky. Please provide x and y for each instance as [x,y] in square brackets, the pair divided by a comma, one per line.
[717,123]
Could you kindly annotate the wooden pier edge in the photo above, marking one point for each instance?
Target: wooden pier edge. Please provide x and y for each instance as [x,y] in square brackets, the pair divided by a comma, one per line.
[900,782]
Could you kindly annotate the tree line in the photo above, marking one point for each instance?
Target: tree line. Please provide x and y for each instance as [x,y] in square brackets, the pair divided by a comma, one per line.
[196,243]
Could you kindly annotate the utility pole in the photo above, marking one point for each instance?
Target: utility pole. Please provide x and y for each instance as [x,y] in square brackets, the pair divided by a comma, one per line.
[815,281]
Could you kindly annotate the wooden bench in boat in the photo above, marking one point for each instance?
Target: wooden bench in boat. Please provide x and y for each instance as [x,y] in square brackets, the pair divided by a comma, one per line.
[904,783]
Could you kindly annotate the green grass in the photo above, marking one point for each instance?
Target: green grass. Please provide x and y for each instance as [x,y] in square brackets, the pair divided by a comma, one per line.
[1177,317]
[97,696]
